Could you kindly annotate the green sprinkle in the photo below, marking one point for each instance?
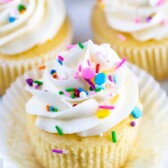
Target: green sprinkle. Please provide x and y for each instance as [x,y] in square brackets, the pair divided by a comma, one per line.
[61,92]
[73,95]
[55,109]
[69,89]
[81,45]
[21,7]
[113,134]
[90,88]
[97,89]
[38,82]
[59,130]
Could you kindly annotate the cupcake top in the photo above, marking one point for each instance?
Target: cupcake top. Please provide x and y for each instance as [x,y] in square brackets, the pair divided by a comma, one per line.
[143,19]
[87,90]
[27,23]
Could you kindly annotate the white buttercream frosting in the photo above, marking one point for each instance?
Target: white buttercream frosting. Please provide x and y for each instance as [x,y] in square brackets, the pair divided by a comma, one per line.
[143,19]
[82,118]
[40,22]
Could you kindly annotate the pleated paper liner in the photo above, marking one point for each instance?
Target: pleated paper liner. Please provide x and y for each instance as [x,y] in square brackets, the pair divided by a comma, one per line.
[10,70]
[151,142]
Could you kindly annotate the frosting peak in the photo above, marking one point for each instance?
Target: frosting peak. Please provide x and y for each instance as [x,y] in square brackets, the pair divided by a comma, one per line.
[26,23]
[143,19]
[84,91]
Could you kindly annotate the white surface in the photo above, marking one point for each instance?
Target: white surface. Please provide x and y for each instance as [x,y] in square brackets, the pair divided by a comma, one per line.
[80,12]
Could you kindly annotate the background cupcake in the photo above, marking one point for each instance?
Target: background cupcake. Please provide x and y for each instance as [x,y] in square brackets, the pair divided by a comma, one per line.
[137,30]
[31,32]
[87,106]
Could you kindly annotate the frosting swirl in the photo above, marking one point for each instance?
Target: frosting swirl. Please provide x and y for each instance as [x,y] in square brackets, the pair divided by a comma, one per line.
[143,19]
[80,109]
[26,23]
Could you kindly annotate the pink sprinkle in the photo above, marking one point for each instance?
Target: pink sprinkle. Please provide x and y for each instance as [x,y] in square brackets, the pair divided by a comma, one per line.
[60,57]
[71,46]
[106,107]
[137,20]
[163,22]
[76,75]
[93,93]
[80,68]
[59,151]
[122,37]
[67,93]
[5,1]
[37,87]
[160,2]
[121,63]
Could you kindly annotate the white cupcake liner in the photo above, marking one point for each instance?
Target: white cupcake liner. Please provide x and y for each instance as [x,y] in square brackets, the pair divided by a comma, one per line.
[153,59]
[9,70]
[152,139]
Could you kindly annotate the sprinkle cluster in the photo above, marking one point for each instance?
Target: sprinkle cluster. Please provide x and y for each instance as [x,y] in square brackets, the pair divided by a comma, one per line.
[96,81]
[15,13]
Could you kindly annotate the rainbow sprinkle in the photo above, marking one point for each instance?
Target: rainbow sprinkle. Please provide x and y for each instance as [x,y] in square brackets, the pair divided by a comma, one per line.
[133,123]
[121,63]
[21,8]
[59,151]
[29,81]
[38,82]
[59,130]
[97,68]
[122,37]
[103,113]
[81,45]
[51,108]
[113,135]
[42,67]
[106,107]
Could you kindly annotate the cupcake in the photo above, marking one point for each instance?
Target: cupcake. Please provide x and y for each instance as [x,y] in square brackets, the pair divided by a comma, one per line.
[137,30]
[85,109]
[31,32]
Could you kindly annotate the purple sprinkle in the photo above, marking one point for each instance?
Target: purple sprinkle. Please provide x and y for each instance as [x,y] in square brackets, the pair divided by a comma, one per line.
[58,151]
[29,81]
[88,61]
[133,124]
[110,78]
[90,83]
[37,86]
[148,19]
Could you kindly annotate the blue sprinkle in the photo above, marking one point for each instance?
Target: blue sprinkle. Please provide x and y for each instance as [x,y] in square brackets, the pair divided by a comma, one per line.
[82,90]
[11,19]
[52,71]
[100,79]
[115,78]
[60,61]
[136,113]
[51,108]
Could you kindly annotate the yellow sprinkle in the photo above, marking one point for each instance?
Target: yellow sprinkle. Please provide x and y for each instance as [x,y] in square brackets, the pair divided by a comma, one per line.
[105,72]
[22,11]
[114,99]
[103,113]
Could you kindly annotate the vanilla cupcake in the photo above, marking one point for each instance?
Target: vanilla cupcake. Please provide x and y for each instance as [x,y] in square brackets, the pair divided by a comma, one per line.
[85,110]
[137,30]
[31,32]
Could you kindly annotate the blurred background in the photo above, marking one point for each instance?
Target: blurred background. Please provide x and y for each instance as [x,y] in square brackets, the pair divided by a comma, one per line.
[80,13]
